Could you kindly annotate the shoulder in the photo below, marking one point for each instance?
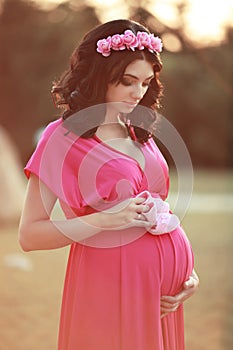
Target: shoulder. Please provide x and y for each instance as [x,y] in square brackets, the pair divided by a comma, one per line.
[52,133]
[57,138]
[50,128]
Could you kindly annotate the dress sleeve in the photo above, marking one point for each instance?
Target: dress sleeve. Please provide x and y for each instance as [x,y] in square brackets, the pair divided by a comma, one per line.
[47,161]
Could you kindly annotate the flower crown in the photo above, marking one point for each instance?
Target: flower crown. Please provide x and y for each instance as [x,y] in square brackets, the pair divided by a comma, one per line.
[129,41]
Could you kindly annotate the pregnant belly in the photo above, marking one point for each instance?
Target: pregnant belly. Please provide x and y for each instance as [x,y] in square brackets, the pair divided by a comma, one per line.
[153,264]
[168,258]
[176,260]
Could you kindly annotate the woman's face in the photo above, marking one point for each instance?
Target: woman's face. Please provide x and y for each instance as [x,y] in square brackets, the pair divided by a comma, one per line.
[133,86]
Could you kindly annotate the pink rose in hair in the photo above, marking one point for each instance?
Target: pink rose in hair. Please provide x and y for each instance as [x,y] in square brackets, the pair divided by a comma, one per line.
[155,44]
[117,42]
[130,40]
[104,46]
[143,40]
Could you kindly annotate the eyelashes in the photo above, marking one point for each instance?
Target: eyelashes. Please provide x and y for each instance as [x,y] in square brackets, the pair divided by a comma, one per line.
[125,82]
[128,82]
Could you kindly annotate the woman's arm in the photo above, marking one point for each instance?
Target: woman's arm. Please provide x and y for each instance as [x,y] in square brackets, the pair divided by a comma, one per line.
[37,231]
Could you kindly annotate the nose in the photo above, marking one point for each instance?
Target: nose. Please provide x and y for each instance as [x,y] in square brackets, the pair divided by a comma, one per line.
[138,92]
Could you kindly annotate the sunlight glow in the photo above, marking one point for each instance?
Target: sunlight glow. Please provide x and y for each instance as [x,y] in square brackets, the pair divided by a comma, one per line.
[166,12]
[202,21]
[171,42]
[47,4]
[207,19]
[110,10]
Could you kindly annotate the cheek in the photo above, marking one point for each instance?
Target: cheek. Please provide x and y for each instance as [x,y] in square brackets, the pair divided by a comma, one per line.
[116,94]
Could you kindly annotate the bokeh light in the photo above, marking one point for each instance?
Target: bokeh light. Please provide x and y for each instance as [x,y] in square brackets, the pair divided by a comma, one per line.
[203,22]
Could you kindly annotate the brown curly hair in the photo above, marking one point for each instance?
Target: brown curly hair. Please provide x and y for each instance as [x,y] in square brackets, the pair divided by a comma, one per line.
[85,82]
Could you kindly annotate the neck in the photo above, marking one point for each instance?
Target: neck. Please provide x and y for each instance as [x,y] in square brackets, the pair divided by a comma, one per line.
[111,117]
[112,129]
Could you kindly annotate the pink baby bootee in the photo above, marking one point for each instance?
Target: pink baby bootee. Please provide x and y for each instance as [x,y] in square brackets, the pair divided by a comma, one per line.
[158,215]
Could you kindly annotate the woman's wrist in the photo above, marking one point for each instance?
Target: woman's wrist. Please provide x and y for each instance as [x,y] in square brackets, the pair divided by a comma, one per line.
[106,220]
[98,221]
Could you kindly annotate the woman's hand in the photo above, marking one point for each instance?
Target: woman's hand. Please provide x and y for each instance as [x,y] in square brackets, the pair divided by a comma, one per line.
[126,214]
[37,231]
[171,303]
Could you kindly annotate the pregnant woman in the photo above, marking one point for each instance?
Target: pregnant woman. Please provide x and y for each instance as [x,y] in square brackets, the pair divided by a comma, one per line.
[128,271]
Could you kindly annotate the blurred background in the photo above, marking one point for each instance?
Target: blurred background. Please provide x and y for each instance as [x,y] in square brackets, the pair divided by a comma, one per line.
[36,40]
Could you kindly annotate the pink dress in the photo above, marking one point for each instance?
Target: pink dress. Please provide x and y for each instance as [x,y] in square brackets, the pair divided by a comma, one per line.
[114,280]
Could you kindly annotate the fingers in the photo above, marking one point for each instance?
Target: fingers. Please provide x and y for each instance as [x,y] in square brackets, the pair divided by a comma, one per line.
[188,284]
[168,304]
[171,303]
[140,217]
[193,281]
[142,208]
[137,204]
[178,298]
[167,309]
[138,200]
[130,213]
[169,299]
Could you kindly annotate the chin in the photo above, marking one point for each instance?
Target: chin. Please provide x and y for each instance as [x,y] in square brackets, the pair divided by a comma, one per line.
[127,108]
[122,107]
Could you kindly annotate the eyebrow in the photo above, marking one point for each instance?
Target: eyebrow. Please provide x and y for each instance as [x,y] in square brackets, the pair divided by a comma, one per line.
[133,76]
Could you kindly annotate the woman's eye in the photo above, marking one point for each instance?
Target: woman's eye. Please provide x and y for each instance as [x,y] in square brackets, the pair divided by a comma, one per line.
[126,82]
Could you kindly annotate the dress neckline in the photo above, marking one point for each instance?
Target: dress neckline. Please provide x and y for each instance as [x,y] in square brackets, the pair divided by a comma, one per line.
[105,144]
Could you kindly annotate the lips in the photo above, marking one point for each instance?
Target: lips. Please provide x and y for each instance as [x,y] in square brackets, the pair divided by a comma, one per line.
[131,104]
